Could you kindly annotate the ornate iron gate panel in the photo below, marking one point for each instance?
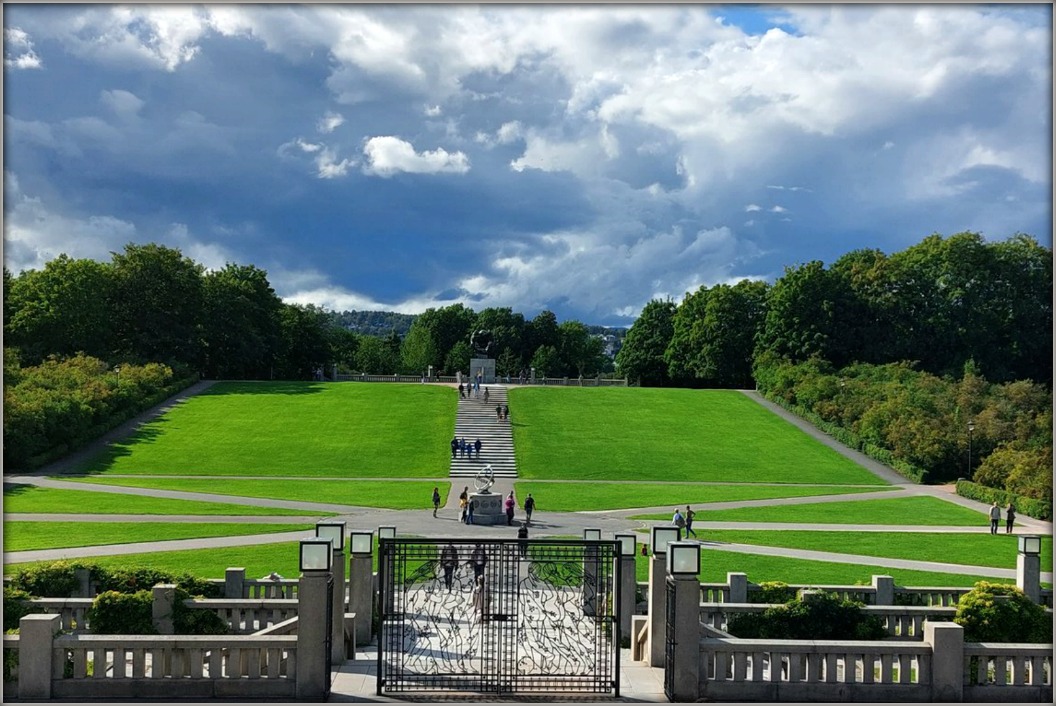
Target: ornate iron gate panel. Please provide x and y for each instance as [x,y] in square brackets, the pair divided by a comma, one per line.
[498,616]
[669,640]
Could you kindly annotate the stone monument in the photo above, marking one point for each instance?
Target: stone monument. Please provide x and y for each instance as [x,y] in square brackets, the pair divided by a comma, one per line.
[483,344]
[487,506]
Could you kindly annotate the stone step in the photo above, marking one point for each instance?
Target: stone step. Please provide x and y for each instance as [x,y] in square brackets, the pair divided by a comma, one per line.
[476,419]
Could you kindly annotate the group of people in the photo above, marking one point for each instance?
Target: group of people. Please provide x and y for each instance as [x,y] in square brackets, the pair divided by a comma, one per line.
[995,518]
[502,412]
[460,448]
[465,506]
[684,520]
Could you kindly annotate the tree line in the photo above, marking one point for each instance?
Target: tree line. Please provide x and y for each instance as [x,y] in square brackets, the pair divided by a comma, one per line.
[152,304]
[893,354]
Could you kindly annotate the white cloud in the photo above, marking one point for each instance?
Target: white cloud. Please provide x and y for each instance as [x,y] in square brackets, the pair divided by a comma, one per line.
[778,209]
[18,50]
[330,167]
[387,155]
[432,111]
[125,105]
[330,122]
[753,207]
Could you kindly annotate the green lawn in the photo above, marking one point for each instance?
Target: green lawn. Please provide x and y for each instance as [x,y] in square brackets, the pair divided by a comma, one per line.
[950,548]
[28,498]
[573,497]
[390,494]
[896,511]
[29,536]
[666,434]
[294,429]
[716,564]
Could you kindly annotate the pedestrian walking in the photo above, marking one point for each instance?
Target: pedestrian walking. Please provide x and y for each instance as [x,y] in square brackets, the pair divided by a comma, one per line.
[463,504]
[469,515]
[506,411]
[511,507]
[522,540]
[677,520]
[461,391]
[529,507]
[454,447]
[476,446]
[689,522]
[479,560]
[485,395]
[498,412]
[1010,517]
[463,447]
[449,562]
[436,500]
[995,517]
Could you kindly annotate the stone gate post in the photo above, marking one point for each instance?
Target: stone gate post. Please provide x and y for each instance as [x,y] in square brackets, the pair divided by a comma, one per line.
[947,660]
[337,622]
[361,593]
[36,635]
[164,595]
[312,674]
[657,608]
[685,660]
[235,583]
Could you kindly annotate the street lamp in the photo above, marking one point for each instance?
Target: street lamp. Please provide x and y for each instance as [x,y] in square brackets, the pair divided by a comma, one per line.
[971,428]
[592,534]
[117,370]
[316,554]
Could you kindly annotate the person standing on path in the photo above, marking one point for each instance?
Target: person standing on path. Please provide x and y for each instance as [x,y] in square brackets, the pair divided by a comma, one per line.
[511,507]
[469,517]
[476,446]
[689,522]
[677,520]
[995,517]
[449,561]
[529,508]
[436,500]
[1010,517]
[522,540]
[454,447]
[463,504]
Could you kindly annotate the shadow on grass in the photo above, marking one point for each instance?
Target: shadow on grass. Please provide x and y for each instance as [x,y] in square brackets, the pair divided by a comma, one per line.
[263,387]
[101,462]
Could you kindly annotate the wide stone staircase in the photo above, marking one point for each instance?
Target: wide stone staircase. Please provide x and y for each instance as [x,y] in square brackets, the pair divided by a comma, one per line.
[476,419]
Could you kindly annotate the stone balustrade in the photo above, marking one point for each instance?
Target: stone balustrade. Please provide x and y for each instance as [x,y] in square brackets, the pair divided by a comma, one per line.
[1007,672]
[902,622]
[72,612]
[247,616]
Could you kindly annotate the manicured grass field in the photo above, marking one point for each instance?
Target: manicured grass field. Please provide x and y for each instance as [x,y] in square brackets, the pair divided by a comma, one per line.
[391,494]
[666,434]
[294,429]
[27,536]
[896,511]
[950,548]
[28,498]
[260,560]
[575,497]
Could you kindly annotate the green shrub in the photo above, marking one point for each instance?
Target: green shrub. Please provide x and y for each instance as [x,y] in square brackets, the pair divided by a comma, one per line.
[10,657]
[115,613]
[54,580]
[772,592]
[993,612]
[15,607]
[192,621]
[822,616]
[1038,509]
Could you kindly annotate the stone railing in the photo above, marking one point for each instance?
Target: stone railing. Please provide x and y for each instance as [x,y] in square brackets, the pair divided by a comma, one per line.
[245,617]
[930,670]
[502,379]
[72,612]
[900,622]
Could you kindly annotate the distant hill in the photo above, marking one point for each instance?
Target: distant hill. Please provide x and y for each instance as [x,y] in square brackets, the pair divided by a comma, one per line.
[373,323]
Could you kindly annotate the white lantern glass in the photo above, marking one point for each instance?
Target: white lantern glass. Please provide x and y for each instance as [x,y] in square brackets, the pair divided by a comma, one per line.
[334,531]
[664,535]
[628,544]
[592,534]
[1030,544]
[683,558]
[316,554]
[386,532]
[361,542]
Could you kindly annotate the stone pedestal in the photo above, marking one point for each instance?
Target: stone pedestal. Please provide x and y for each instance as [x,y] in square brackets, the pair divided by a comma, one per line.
[486,366]
[1028,575]
[628,586]
[657,609]
[487,509]
[312,629]
[361,595]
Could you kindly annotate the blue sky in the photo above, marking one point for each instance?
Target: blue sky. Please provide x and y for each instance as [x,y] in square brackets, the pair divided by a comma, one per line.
[584,159]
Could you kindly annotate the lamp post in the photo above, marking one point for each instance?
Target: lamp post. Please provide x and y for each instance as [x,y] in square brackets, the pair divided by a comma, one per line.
[971,428]
[117,371]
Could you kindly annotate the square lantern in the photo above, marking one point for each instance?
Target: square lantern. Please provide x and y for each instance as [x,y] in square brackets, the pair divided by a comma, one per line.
[361,542]
[334,531]
[683,558]
[316,554]
[662,536]
[628,544]
[1030,544]
[386,532]
[592,534]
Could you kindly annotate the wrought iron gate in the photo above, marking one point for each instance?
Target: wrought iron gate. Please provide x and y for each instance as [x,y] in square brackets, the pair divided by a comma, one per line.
[498,616]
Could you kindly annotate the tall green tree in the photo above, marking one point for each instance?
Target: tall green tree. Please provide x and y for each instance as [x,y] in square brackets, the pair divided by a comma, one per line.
[733,318]
[641,359]
[375,356]
[801,320]
[61,309]
[241,323]
[418,351]
[547,362]
[305,346]
[157,304]
[446,326]
[541,331]
[507,332]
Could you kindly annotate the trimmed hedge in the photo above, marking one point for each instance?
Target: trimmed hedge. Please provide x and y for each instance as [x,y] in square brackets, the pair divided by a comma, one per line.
[993,612]
[823,616]
[1038,509]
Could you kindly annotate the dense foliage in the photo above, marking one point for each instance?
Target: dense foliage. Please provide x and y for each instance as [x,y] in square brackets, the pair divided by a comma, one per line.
[58,579]
[993,612]
[818,616]
[60,404]
[15,607]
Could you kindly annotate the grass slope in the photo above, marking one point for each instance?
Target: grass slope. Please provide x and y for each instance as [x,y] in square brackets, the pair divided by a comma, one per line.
[666,434]
[949,548]
[29,536]
[896,511]
[390,494]
[27,498]
[573,497]
[294,429]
